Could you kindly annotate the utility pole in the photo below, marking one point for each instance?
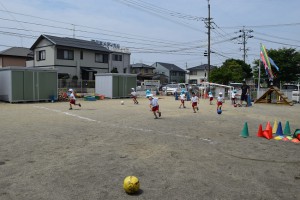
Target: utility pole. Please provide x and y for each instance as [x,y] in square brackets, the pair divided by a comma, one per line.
[245,35]
[73,30]
[208,22]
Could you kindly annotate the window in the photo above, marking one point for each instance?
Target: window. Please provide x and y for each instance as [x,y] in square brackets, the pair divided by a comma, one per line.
[41,55]
[65,54]
[193,72]
[181,73]
[116,57]
[81,55]
[173,74]
[146,71]
[124,70]
[101,58]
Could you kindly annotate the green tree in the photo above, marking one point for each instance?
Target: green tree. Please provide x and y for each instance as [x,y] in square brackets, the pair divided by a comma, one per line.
[232,70]
[288,62]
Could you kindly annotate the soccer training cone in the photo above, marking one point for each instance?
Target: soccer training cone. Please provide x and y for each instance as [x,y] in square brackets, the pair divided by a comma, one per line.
[275,127]
[279,130]
[287,130]
[267,134]
[269,128]
[260,132]
[245,132]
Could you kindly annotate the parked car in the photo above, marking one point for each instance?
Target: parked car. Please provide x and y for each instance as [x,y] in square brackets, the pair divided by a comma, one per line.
[172,88]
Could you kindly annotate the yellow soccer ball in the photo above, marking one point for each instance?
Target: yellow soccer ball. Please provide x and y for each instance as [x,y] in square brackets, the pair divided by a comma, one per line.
[131,184]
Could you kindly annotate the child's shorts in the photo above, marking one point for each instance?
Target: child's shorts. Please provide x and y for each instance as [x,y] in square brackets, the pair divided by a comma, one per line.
[72,101]
[155,108]
[194,104]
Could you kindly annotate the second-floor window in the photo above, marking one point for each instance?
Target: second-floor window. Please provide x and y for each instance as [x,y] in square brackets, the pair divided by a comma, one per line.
[65,54]
[41,55]
[193,72]
[173,74]
[101,58]
[117,57]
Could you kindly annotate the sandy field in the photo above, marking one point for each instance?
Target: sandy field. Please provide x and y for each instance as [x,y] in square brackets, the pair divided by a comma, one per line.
[48,152]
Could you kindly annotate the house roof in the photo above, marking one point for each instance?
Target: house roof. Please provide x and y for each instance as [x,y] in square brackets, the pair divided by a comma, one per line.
[201,67]
[71,42]
[141,65]
[171,67]
[16,51]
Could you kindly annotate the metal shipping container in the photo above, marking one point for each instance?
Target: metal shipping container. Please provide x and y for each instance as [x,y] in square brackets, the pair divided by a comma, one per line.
[113,85]
[27,84]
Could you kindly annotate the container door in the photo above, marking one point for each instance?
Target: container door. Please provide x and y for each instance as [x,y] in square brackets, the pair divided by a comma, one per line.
[122,81]
[131,83]
[28,86]
[47,82]
[115,83]
[17,85]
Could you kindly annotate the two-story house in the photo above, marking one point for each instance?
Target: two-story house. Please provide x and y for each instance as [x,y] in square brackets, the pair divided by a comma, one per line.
[14,57]
[143,71]
[76,57]
[198,74]
[173,72]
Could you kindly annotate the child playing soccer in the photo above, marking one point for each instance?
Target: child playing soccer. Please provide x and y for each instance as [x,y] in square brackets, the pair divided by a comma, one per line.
[211,98]
[233,94]
[220,100]
[154,106]
[133,96]
[72,99]
[195,102]
[182,99]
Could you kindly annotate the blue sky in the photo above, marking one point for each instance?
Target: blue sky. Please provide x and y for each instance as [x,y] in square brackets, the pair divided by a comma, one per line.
[158,30]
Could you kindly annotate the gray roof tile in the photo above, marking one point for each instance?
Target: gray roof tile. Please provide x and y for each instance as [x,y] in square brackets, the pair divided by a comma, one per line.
[16,51]
[171,67]
[72,42]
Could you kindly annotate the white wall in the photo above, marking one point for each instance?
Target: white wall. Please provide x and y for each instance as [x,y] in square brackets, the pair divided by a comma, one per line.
[104,85]
[5,85]
[120,65]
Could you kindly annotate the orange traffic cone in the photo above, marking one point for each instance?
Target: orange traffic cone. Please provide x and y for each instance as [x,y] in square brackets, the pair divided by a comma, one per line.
[269,127]
[260,132]
[267,134]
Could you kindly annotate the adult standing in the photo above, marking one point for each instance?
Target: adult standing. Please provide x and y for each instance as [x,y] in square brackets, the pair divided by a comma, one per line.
[245,92]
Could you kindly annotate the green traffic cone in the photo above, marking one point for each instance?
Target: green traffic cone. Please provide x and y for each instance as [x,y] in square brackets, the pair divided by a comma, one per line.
[245,132]
[287,130]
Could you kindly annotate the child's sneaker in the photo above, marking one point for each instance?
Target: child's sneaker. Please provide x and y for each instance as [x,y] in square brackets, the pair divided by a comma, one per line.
[159,114]
[197,108]
[79,105]
[70,108]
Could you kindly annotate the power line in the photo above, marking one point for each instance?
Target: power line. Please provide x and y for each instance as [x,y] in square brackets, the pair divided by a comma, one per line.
[143,8]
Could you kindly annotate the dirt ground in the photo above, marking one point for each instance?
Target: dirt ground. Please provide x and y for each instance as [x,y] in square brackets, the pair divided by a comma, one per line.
[50,153]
